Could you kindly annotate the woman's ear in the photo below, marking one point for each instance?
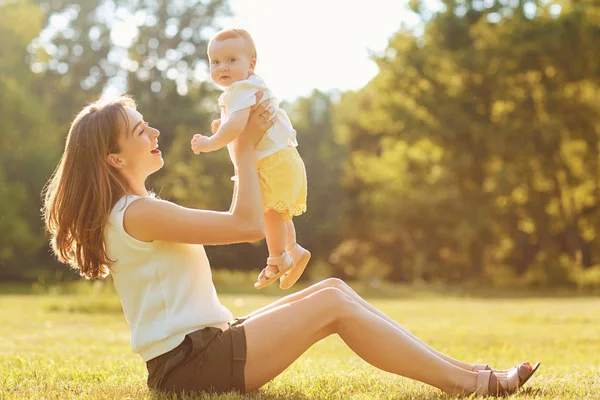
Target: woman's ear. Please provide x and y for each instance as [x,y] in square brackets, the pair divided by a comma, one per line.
[114,160]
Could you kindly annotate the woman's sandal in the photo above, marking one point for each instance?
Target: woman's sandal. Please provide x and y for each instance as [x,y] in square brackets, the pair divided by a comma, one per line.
[480,367]
[488,383]
[283,263]
[486,367]
[300,256]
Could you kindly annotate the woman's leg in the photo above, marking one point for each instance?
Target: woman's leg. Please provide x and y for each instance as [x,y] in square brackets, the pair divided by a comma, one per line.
[278,336]
[349,291]
[341,285]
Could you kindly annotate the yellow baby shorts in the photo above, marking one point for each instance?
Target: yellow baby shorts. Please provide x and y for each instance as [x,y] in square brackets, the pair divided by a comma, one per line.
[283,182]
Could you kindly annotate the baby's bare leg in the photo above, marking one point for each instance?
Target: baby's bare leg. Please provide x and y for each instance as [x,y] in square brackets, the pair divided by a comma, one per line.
[275,233]
[291,234]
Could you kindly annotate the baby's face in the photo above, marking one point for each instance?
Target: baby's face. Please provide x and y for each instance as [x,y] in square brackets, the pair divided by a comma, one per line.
[230,61]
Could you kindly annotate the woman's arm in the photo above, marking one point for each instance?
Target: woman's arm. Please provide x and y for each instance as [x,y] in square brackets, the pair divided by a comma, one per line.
[151,219]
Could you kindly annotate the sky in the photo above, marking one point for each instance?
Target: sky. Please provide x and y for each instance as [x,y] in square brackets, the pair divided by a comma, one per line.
[301,44]
[322,44]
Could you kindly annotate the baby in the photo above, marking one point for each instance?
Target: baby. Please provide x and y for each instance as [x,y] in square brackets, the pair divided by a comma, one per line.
[232,57]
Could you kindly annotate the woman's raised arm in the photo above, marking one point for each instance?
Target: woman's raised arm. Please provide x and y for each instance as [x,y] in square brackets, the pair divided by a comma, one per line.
[150,219]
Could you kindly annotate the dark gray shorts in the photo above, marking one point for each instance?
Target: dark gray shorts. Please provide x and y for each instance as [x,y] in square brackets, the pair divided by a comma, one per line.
[208,360]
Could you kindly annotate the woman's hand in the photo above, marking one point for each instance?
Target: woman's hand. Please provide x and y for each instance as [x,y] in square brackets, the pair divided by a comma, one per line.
[259,122]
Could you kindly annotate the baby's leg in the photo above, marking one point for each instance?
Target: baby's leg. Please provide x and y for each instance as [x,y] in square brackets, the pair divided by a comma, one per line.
[279,261]
[275,233]
[300,256]
[291,235]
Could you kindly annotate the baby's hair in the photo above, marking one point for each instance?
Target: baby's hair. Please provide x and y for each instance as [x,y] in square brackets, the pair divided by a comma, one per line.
[235,33]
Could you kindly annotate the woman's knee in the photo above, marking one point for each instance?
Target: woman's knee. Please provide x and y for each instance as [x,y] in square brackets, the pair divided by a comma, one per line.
[331,283]
[334,300]
[328,307]
[336,283]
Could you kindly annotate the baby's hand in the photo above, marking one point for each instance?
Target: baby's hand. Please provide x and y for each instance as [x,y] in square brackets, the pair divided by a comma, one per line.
[199,143]
[216,124]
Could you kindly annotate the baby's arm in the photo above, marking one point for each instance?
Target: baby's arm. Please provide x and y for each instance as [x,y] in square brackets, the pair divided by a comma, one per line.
[214,126]
[227,132]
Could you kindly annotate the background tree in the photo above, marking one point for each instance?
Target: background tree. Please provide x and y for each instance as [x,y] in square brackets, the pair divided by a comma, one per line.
[471,156]
[88,47]
[27,147]
[320,228]
[474,152]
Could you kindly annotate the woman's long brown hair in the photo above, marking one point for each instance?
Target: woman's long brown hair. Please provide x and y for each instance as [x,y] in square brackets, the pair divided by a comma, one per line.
[84,188]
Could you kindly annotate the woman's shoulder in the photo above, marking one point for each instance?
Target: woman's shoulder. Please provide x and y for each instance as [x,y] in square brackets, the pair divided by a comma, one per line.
[125,201]
[132,211]
[130,204]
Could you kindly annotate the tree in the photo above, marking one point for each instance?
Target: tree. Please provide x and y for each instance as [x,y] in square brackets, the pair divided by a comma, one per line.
[154,51]
[320,228]
[27,149]
[477,144]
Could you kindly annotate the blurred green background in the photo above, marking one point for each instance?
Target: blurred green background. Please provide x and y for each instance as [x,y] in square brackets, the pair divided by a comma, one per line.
[471,158]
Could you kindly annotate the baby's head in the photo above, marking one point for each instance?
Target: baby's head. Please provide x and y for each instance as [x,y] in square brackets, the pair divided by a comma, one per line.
[232,56]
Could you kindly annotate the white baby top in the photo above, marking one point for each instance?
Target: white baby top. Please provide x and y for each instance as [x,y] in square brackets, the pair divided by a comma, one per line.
[166,289]
[242,94]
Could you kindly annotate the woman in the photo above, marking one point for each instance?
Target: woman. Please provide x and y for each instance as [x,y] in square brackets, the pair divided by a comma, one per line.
[102,219]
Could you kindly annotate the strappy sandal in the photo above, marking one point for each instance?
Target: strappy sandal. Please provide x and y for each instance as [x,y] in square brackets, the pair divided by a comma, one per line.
[488,383]
[480,367]
[300,256]
[283,263]
[486,367]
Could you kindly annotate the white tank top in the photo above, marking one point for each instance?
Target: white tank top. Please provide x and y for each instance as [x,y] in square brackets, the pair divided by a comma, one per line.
[166,288]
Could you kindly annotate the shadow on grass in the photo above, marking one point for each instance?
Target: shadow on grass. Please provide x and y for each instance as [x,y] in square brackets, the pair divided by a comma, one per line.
[287,396]
[156,395]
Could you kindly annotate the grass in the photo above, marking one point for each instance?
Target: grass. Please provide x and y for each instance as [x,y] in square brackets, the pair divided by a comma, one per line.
[72,342]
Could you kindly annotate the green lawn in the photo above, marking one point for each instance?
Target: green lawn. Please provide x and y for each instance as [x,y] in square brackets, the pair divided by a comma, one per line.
[64,346]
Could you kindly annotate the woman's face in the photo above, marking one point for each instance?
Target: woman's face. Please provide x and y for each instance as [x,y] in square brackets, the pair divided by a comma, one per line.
[139,156]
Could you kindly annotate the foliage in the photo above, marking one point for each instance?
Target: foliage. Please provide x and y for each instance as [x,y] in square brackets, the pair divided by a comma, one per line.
[472,156]
[474,152]
[27,145]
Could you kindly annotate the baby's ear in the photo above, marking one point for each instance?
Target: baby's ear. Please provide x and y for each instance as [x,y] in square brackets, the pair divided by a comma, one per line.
[252,65]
